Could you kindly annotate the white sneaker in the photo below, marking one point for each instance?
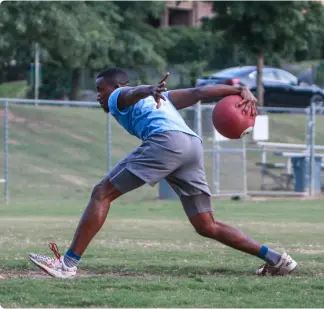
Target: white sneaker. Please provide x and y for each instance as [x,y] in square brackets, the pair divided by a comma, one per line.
[55,267]
[285,266]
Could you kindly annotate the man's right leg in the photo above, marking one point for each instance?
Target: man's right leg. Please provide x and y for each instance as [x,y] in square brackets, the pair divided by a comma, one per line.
[94,216]
[119,181]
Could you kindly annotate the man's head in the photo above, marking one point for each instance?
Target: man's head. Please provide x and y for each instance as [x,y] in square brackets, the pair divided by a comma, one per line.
[106,82]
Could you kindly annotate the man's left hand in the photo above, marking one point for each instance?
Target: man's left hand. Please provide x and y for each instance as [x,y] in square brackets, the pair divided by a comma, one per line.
[248,96]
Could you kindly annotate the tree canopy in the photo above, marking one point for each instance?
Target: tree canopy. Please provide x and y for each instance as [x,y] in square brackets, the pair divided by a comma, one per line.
[268,26]
[77,35]
[92,35]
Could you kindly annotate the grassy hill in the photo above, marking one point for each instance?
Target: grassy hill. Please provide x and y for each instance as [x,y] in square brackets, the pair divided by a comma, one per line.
[60,153]
[15,89]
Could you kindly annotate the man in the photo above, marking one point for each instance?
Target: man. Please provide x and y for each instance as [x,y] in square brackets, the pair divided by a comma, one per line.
[171,150]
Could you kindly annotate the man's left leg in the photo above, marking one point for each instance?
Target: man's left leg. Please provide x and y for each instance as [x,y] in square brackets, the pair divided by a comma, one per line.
[189,181]
[199,211]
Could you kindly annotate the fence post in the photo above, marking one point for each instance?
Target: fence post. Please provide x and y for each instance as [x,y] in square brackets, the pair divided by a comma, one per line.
[312,148]
[6,128]
[36,81]
[216,165]
[307,142]
[108,142]
[244,166]
[198,120]
[308,163]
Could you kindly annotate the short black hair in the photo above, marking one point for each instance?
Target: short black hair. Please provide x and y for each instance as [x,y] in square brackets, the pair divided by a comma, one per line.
[117,75]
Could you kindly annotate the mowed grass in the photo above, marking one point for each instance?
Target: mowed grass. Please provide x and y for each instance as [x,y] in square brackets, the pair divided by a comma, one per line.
[147,255]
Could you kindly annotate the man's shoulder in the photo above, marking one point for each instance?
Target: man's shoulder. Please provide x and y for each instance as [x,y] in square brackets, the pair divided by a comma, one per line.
[114,95]
[113,104]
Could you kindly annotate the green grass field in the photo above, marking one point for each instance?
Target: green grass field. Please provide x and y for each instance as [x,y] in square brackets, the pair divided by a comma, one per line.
[147,255]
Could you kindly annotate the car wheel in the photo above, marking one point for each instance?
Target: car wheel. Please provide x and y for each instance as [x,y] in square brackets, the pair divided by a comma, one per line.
[319,102]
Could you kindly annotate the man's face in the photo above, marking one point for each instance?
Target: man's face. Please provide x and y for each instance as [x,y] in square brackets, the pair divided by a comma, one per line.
[104,90]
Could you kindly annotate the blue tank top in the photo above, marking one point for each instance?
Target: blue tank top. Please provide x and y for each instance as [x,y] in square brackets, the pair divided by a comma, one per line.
[144,119]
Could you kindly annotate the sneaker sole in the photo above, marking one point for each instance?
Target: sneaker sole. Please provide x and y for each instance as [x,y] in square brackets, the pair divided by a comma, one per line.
[48,270]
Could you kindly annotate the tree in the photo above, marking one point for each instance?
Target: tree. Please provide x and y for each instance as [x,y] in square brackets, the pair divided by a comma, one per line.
[189,49]
[267,27]
[78,35]
[4,44]
[140,44]
[314,33]
[71,36]
[112,39]
[14,46]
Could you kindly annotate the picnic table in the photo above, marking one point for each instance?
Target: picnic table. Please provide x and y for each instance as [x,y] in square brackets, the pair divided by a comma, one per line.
[285,179]
[282,181]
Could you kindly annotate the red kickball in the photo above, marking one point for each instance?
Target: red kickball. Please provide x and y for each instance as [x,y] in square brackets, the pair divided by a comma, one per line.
[232,119]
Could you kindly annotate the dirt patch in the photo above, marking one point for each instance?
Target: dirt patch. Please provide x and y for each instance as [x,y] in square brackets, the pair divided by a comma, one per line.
[164,245]
[39,275]
[42,170]
[279,227]
[13,117]
[69,133]
[28,274]
[159,222]
[13,142]
[75,180]
[278,198]
[309,251]
[76,153]
[40,126]
[75,136]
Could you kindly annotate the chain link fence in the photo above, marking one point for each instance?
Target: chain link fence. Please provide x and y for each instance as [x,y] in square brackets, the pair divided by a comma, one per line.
[58,150]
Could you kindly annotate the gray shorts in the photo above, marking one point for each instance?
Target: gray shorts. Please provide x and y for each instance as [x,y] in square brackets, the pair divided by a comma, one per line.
[176,156]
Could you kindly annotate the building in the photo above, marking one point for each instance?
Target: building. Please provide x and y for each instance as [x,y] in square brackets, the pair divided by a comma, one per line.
[187,13]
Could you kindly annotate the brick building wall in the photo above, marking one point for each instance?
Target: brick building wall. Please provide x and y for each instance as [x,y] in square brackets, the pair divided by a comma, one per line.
[187,13]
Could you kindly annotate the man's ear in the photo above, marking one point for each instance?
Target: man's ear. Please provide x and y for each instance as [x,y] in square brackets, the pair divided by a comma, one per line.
[121,85]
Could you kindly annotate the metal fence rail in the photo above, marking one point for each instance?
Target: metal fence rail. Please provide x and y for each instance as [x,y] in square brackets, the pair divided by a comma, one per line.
[228,165]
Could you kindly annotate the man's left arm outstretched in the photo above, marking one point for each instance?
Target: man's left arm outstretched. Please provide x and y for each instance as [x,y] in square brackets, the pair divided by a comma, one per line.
[183,98]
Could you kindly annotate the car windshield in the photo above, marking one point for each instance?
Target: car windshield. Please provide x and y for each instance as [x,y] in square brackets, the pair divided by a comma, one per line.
[232,72]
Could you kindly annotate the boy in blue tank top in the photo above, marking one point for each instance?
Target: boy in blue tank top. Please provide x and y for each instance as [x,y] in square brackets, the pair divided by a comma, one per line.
[170,150]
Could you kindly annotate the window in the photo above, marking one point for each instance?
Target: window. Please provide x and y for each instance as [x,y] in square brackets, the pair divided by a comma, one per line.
[233,72]
[179,17]
[286,77]
[268,75]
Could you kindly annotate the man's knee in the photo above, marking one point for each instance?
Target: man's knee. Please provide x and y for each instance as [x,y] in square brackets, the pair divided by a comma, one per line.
[209,230]
[205,224]
[98,192]
[105,191]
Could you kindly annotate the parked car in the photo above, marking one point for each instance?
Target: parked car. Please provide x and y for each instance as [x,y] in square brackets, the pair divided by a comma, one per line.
[281,88]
